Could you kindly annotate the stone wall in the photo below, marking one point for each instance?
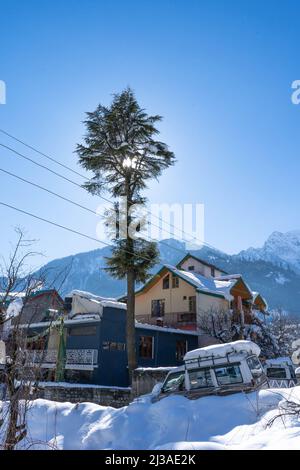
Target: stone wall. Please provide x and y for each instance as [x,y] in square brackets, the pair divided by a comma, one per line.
[143,383]
[73,393]
[144,379]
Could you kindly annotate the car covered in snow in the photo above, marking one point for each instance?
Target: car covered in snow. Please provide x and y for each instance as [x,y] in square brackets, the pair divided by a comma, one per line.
[280,373]
[219,369]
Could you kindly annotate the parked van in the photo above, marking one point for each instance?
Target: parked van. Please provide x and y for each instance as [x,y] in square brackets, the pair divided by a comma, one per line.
[280,374]
[219,369]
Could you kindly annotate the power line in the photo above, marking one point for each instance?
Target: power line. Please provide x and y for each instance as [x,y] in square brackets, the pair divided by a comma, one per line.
[53,193]
[84,177]
[73,182]
[43,154]
[55,224]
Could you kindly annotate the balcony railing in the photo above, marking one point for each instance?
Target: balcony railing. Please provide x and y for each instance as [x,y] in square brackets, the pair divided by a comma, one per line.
[173,320]
[76,359]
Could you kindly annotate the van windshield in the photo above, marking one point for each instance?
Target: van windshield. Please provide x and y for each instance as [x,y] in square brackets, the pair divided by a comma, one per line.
[174,382]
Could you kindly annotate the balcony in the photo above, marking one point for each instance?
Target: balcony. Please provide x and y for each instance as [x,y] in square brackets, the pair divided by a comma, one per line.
[76,359]
[180,320]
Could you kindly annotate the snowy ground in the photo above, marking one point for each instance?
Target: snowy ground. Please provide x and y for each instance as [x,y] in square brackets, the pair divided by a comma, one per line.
[233,422]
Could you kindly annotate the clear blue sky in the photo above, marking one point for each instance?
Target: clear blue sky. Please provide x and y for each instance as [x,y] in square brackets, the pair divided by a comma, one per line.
[220,73]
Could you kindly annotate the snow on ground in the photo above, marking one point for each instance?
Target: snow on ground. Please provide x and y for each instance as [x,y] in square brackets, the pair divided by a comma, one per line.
[236,421]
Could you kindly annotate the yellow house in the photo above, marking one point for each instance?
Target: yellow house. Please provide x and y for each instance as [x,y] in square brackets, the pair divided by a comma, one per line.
[181,296]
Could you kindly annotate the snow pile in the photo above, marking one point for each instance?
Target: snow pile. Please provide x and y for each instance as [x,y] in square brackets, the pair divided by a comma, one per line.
[238,421]
[221,350]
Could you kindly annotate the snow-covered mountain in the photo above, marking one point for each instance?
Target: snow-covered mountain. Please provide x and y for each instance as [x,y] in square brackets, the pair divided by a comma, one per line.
[282,249]
[273,270]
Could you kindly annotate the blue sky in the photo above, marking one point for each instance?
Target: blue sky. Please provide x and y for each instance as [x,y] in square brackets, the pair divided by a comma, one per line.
[220,73]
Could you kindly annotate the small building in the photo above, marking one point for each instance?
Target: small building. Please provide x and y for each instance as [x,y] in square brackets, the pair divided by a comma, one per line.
[181,296]
[38,307]
[94,332]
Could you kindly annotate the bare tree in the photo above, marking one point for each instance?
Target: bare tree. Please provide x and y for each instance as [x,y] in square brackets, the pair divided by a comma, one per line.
[18,284]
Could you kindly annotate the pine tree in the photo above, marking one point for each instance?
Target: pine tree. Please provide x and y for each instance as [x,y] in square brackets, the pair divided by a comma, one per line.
[122,151]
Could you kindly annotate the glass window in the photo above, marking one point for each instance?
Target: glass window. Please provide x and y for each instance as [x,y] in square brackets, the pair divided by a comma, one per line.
[200,378]
[228,375]
[83,331]
[158,308]
[146,347]
[166,282]
[181,349]
[254,366]
[192,304]
[212,271]
[191,268]
[292,372]
[276,372]
[113,346]
[175,281]
[174,382]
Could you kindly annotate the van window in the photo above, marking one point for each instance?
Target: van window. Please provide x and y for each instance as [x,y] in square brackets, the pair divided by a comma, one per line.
[174,382]
[200,378]
[254,366]
[276,372]
[228,375]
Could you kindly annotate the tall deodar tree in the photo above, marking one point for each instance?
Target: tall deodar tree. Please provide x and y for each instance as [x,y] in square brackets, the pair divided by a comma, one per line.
[121,149]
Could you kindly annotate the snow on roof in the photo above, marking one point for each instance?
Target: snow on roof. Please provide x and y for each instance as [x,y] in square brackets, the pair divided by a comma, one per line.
[146,326]
[256,294]
[103,301]
[205,284]
[221,350]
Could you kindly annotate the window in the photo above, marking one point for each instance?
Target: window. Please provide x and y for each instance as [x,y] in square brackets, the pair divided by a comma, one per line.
[192,304]
[146,347]
[254,366]
[200,378]
[212,271]
[276,373]
[113,346]
[175,281]
[174,382]
[228,375]
[191,268]
[292,372]
[181,350]
[166,282]
[83,331]
[158,308]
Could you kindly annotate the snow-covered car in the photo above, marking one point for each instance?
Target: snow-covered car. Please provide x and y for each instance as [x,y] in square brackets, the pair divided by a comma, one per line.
[280,374]
[219,369]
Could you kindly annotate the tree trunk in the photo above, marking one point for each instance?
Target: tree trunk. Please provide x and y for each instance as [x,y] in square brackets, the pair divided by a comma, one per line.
[130,326]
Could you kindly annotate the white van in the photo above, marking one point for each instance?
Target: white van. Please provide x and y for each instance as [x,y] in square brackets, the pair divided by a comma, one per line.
[218,369]
[280,374]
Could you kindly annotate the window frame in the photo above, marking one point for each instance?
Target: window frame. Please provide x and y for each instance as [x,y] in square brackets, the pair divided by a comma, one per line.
[161,314]
[225,366]
[166,279]
[152,347]
[206,370]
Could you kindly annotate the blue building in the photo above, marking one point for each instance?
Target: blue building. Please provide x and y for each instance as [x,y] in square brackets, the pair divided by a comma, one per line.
[94,334]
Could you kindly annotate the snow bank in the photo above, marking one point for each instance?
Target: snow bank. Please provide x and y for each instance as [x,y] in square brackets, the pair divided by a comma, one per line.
[237,421]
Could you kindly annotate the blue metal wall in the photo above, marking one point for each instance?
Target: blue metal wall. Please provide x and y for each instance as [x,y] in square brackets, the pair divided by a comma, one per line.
[112,365]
